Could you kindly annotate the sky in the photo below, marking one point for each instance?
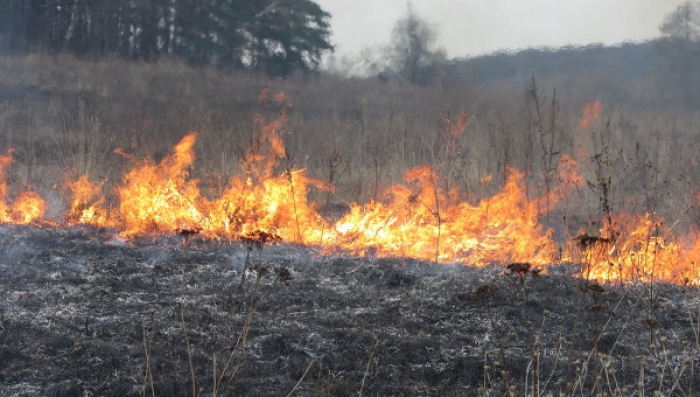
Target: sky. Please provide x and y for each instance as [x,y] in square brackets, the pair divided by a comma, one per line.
[476,27]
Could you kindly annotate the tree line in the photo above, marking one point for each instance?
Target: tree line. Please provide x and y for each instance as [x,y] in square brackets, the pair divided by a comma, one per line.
[274,36]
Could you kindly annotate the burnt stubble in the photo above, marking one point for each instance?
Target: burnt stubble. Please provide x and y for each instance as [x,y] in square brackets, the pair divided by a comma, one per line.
[86,313]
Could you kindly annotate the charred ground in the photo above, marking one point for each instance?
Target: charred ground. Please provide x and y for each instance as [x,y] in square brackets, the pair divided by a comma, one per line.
[84,313]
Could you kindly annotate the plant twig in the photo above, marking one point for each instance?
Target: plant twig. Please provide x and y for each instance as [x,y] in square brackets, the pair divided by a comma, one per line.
[369,362]
[149,372]
[302,378]
[189,353]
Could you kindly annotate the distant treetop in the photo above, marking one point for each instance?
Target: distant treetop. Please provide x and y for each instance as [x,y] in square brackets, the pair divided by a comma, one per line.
[683,22]
[412,52]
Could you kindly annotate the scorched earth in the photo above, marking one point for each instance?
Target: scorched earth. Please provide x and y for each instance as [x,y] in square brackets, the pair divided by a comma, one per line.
[86,313]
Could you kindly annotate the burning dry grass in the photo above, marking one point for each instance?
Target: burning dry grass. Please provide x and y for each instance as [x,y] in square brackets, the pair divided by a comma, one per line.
[476,189]
[27,206]
[419,218]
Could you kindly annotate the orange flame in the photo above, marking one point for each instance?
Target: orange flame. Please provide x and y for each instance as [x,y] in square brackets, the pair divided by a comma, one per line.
[419,218]
[160,198]
[259,200]
[27,207]
[422,223]
[590,113]
[639,248]
[459,126]
[88,203]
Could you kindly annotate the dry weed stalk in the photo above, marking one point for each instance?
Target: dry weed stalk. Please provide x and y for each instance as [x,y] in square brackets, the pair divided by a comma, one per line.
[148,373]
[373,351]
[193,377]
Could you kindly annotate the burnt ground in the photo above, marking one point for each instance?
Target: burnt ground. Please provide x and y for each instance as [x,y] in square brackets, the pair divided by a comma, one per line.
[85,314]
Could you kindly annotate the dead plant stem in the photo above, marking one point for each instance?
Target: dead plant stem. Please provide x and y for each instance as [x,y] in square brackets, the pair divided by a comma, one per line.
[148,377]
[369,362]
[193,378]
[301,379]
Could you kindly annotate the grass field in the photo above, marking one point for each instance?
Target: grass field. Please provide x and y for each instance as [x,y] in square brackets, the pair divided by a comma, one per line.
[631,206]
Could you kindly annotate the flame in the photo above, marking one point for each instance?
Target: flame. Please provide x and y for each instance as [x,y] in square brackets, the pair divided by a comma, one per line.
[27,207]
[459,126]
[423,223]
[420,217]
[259,200]
[276,205]
[87,205]
[160,198]
[639,248]
[591,112]
[266,198]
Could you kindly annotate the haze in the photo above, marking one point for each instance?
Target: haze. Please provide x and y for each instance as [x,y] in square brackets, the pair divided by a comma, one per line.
[475,27]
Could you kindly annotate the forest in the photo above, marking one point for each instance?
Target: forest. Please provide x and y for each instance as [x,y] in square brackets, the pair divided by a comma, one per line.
[276,37]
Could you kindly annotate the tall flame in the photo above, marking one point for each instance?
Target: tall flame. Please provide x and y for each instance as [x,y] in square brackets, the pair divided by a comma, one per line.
[160,198]
[260,200]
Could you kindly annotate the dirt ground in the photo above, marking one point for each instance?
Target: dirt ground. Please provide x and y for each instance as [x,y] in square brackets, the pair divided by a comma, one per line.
[83,313]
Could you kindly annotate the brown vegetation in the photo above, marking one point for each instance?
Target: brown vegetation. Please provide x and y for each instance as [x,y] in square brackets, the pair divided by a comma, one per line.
[61,114]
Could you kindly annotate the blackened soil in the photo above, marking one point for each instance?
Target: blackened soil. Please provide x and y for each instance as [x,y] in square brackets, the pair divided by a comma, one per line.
[83,313]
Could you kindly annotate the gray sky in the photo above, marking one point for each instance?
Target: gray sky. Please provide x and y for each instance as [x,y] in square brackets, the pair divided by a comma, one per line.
[474,27]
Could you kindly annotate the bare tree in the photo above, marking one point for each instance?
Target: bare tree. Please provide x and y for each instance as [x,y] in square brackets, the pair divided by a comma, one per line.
[680,52]
[683,22]
[412,52]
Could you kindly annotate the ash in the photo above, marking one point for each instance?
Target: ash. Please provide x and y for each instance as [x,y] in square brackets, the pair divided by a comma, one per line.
[83,313]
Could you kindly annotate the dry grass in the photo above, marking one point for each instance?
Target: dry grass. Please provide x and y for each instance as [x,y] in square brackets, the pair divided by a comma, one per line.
[63,115]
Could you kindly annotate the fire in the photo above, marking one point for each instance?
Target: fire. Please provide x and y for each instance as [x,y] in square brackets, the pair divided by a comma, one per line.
[427,222]
[88,203]
[160,198]
[277,205]
[638,248]
[27,207]
[584,131]
[459,126]
[420,217]
[260,199]
[590,113]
